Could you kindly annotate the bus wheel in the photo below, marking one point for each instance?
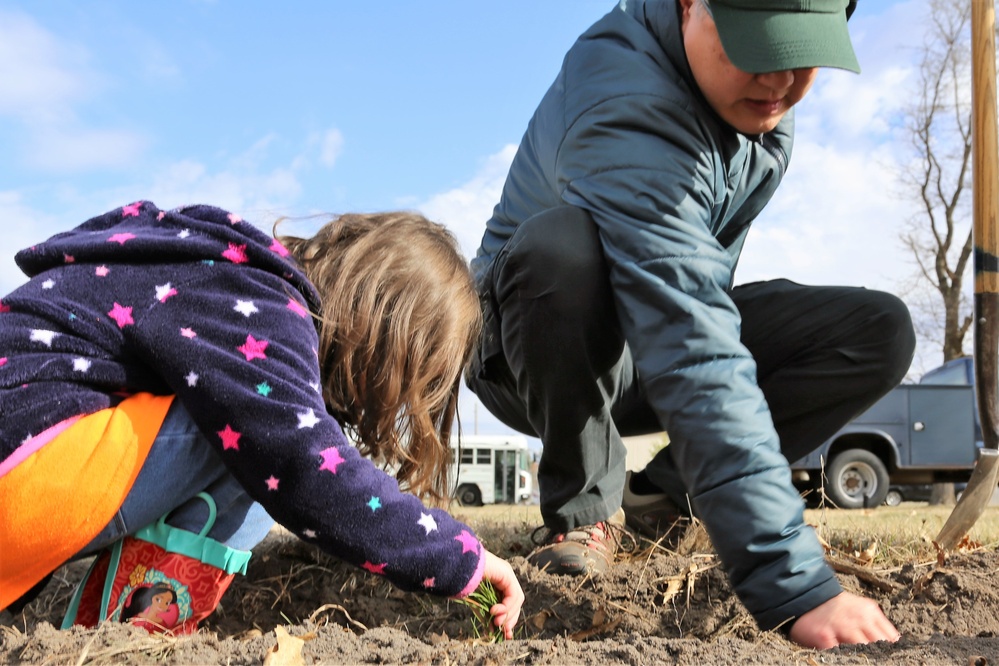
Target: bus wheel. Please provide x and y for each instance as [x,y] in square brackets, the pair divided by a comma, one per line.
[469,495]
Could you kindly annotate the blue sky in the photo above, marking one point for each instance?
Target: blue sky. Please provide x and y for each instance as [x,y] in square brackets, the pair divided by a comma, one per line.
[337,106]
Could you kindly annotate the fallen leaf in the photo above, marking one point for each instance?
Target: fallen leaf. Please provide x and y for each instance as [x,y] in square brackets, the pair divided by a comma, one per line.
[287,651]
[673,587]
[538,620]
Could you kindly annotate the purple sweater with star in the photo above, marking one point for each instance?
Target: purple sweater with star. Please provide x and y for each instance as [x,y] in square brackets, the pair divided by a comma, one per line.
[197,303]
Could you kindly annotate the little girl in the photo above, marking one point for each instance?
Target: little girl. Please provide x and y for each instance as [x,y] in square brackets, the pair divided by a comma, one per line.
[155,355]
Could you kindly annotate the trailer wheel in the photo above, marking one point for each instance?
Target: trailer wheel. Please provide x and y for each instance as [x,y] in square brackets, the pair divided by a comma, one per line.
[893,498]
[856,479]
[469,495]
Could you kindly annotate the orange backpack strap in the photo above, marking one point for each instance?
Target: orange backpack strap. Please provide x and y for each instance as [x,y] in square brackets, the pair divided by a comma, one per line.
[55,501]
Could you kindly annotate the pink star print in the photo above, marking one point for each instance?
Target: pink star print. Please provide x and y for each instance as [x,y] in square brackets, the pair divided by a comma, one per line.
[236,254]
[121,238]
[122,315]
[469,544]
[160,216]
[131,210]
[429,582]
[253,348]
[297,308]
[3,361]
[188,333]
[376,568]
[272,483]
[331,459]
[230,438]
[4,308]
[68,258]
[279,249]
[234,219]
[101,271]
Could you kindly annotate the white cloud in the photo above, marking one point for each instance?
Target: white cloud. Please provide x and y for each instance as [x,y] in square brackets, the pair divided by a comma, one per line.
[260,195]
[40,74]
[21,225]
[466,208]
[43,79]
[250,193]
[58,148]
[834,220]
[331,145]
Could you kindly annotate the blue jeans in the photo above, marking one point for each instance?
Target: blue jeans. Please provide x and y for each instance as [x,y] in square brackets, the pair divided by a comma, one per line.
[181,464]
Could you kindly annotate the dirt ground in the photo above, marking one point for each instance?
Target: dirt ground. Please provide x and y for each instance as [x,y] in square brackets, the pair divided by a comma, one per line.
[654,607]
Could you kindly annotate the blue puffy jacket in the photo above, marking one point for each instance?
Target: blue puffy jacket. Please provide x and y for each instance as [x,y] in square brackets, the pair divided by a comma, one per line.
[625,134]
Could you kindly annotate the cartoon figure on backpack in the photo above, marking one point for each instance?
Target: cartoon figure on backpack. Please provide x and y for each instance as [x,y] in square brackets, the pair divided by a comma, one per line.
[154,604]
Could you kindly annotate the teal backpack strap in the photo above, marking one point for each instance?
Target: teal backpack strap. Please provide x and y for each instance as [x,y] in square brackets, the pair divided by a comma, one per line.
[74,603]
[197,546]
[109,579]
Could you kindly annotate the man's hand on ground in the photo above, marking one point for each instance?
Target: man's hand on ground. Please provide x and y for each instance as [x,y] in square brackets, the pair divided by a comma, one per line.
[843,620]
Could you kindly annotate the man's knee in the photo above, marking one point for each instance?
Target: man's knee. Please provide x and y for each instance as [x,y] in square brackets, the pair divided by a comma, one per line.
[890,325]
[555,245]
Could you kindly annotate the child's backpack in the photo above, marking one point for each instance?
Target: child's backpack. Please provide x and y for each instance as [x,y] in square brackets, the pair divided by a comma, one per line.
[163,579]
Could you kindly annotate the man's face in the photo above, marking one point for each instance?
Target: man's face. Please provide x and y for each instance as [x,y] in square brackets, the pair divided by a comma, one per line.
[751,103]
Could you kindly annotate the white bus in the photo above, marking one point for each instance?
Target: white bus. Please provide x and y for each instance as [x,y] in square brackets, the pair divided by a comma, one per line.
[488,469]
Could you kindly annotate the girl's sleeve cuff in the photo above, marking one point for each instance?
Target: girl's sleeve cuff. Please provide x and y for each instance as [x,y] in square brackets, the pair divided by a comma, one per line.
[473,583]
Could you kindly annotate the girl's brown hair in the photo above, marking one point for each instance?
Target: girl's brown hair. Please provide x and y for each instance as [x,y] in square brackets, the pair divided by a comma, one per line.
[400,318]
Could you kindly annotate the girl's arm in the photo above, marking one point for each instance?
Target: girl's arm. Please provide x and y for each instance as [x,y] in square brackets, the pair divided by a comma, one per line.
[238,347]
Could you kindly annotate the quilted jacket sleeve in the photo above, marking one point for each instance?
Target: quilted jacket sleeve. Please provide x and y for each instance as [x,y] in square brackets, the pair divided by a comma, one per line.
[661,199]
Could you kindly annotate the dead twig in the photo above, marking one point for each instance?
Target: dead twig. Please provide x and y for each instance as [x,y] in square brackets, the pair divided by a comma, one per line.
[862,574]
[322,609]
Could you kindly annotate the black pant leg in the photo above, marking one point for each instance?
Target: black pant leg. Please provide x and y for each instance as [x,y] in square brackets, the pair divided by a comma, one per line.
[823,354]
[554,363]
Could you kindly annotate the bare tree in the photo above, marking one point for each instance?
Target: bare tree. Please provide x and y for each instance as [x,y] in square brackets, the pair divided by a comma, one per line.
[938,123]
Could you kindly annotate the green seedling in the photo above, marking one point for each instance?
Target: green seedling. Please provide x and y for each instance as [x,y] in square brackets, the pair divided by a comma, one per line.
[480,601]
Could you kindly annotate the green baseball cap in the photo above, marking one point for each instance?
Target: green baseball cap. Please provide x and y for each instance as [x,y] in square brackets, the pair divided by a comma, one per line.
[776,35]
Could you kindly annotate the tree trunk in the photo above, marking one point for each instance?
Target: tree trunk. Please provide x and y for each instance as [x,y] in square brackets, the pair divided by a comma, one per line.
[943,495]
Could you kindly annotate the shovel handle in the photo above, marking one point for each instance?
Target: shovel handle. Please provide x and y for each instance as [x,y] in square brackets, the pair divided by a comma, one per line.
[985,234]
[985,230]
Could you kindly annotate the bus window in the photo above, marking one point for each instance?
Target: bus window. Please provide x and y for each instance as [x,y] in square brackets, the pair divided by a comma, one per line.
[467,456]
[483,456]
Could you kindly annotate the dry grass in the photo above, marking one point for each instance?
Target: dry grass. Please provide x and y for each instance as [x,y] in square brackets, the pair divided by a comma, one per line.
[884,537]
[893,536]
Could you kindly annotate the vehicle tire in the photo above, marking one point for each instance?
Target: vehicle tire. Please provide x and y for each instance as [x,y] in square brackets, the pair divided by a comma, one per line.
[856,478]
[469,495]
[893,498]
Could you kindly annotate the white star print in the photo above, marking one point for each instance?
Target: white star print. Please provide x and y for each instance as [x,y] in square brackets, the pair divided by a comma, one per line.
[308,419]
[315,386]
[45,337]
[81,364]
[162,291]
[192,378]
[48,284]
[184,234]
[246,308]
[428,522]
[311,534]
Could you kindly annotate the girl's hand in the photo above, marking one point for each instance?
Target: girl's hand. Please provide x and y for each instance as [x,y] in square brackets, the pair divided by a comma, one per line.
[507,611]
